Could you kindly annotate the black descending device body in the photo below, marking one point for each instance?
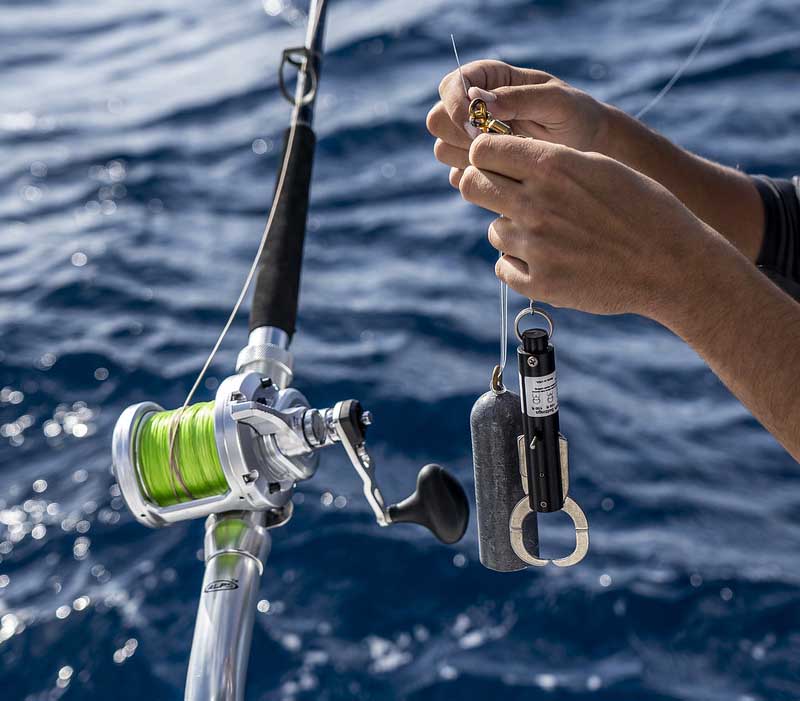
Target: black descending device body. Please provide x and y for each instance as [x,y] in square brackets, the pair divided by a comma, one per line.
[539,392]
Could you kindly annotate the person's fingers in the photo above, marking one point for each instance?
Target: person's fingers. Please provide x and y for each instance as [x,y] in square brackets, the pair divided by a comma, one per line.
[479,93]
[507,238]
[454,100]
[513,157]
[531,128]
[484,74]
[544,103]
[451,155]
[441,126]
[515,273]
[455,176]
[487,75]
[491,191]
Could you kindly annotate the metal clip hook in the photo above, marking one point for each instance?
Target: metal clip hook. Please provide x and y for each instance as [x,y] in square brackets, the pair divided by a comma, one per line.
[523,509]
[496,385]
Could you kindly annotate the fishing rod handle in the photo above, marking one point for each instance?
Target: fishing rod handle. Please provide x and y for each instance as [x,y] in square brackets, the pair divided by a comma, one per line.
[277,283]
[539,392]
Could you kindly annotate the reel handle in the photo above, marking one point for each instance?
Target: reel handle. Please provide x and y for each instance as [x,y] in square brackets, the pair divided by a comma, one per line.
[439,503]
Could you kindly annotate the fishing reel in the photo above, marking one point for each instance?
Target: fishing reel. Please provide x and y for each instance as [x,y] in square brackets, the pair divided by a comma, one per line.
[248,449]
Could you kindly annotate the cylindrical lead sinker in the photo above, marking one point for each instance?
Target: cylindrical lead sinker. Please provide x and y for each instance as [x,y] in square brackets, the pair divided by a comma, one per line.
[198,472]
[496,423]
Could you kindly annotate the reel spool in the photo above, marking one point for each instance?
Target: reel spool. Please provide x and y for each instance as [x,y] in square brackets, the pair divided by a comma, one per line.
[241,452]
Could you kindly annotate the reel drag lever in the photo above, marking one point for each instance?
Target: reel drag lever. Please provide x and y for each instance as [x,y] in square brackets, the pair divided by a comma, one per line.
[439,502]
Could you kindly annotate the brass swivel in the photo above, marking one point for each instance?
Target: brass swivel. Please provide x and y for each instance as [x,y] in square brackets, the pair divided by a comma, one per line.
[481,118]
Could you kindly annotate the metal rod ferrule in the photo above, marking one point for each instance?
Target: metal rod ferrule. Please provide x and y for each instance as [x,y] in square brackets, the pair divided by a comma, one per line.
[236,546]
[267,352]
[269,335]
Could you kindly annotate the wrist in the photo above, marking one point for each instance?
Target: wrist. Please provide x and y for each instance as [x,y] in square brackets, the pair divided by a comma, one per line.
[630,142]
[723,197]
[699,283]
[616,137]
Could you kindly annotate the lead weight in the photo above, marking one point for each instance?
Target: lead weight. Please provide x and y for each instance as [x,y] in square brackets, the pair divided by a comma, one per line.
[496,423]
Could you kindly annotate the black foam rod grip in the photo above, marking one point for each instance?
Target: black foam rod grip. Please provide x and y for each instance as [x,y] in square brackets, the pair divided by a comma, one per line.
[277,284]
[496,423]
[439,503]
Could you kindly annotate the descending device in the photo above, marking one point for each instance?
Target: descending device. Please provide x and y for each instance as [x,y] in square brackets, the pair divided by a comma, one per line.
[520,456]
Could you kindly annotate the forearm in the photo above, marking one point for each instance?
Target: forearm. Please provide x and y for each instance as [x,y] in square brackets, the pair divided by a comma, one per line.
[722,197]
[747,330]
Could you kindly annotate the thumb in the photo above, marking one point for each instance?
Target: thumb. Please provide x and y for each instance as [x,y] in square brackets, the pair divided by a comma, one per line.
[537,103]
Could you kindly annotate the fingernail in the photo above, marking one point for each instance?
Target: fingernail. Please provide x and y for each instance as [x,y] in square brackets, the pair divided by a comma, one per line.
[472,131]
[484,95]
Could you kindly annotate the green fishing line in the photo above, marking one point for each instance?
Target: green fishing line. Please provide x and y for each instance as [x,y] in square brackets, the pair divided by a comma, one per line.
[195,452]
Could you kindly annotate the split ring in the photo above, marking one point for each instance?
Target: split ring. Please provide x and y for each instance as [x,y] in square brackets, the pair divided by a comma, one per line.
[533,311]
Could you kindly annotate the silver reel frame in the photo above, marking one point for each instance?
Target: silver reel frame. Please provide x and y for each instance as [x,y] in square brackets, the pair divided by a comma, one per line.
[255,425]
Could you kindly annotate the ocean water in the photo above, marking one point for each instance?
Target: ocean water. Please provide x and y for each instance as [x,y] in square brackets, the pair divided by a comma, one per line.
[139,144]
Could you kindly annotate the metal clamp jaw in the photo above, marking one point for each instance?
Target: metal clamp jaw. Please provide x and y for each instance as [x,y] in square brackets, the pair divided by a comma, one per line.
[523,509]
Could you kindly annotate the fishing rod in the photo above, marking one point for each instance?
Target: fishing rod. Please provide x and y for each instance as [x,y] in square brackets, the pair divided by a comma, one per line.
[237,459]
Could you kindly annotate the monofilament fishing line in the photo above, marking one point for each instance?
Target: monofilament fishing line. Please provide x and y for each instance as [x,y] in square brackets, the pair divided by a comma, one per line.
[701,42]
[195,452]
[178,424]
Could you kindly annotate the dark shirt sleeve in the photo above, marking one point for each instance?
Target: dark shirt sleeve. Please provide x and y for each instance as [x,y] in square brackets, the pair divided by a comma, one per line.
[779,257]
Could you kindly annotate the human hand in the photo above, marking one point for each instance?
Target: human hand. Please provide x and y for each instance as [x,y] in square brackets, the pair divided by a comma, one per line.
[535,103]
[581,230]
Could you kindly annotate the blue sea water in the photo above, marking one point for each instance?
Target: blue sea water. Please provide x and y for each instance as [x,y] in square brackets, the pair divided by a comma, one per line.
[139,144]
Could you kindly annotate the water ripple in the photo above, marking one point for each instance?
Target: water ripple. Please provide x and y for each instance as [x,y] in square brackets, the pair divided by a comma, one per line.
[140,145]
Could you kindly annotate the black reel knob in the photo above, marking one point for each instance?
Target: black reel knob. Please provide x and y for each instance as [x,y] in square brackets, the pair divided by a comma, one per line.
[439,503]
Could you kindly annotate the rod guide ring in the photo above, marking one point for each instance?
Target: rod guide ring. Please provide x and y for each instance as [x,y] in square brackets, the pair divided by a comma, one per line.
[304,60]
